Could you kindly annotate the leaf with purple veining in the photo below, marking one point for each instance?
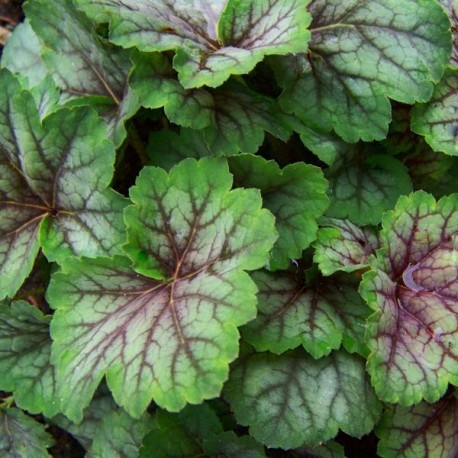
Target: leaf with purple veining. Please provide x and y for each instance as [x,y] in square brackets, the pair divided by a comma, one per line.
[212,39]
[413,290]
[163,325]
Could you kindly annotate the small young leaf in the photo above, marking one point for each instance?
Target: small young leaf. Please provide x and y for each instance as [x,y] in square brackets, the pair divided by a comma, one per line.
[437,119]
[291,399]
[342,245]
[362,190]
[21,436]
[296,195]
[360,53]
[118,434]
[212,40]
[169,327]
[319,316]
[25,350]
[413,289]
[421,430]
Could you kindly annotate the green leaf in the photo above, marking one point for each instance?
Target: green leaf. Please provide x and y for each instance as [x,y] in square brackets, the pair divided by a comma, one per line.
[119,435]
[296,195]
[291,399]
[341,245]
[25,350]
[21,55]
[362,189]
[19,216]
[421,430]
[169,327]
[167,148]
[21,436]
[319,315]
[437,119]
[229,445]
[53,186]
[233,118]
[101,404]
[212,40]
[85,66]
[412,287]
[326,145]
[155,83]
[181,434]
[360,53]
[431,171]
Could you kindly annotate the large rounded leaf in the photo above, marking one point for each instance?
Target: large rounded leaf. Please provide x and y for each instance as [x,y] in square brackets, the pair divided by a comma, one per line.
[413,288]
[361,52]
[291,399]
[166,327]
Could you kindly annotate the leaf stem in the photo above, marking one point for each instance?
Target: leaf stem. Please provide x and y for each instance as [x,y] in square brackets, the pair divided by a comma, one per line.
[7,402]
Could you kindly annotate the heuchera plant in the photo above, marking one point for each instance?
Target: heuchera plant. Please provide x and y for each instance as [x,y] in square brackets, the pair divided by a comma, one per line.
[230,227]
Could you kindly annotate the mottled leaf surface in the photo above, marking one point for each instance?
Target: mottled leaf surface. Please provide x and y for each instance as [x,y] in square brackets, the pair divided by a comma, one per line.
[25,350]
[22,55]
[166,327]
[291,399]
[421,430]
[53,186]
[320,315]
[341,245]
[85,216]
[85,66]
[360,53]
[181,434]
[20,209]
[413,289]
[296,195]
[21,436]
[362,189]
[155,83]
[212,39]
[437,119]
[232,118]
[119,435]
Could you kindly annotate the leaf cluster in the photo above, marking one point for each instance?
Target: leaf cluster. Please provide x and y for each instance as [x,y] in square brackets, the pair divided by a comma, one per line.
[230,228]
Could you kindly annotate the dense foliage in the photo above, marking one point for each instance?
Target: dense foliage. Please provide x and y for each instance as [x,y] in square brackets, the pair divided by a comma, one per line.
[230,228]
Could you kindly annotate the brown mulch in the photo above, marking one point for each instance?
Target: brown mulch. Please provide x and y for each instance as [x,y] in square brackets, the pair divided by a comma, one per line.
[10,16]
